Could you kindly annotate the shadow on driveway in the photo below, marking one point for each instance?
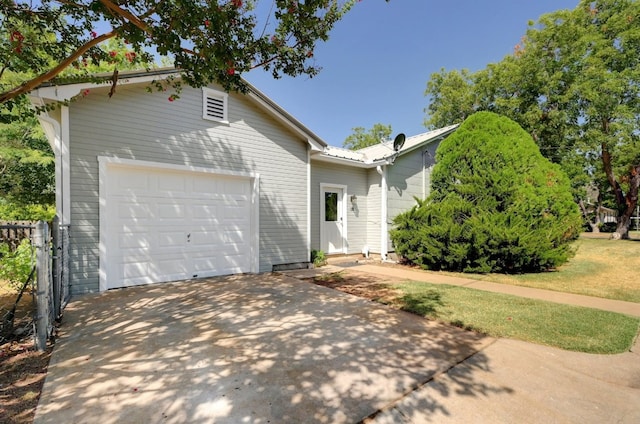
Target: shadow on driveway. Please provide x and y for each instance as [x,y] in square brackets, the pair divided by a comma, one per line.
[254,348]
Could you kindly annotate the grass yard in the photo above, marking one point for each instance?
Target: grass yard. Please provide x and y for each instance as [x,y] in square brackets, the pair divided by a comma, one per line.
[601,268]
[567,327]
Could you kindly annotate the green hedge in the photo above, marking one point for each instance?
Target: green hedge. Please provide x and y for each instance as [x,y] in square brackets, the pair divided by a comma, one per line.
[497,205]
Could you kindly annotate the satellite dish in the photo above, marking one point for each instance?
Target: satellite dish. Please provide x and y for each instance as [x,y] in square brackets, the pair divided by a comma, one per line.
[398,142]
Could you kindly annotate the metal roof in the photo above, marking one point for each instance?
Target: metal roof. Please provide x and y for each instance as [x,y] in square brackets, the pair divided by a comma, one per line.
[384,150]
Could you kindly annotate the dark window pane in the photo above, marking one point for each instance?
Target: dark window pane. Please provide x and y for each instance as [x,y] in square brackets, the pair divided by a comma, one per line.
[331,206]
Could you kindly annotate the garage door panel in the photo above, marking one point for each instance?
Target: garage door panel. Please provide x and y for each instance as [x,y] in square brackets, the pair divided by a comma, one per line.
[206,238]
[204,212]
[167,225]
[167,211]
[168,241]
[171,182]
[133,210]
[234,237]
[134,240]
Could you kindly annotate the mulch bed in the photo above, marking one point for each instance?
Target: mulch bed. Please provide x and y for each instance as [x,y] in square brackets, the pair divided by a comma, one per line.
[22,374]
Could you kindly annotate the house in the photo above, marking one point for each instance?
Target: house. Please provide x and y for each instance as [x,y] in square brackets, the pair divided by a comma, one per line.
[216,183]
[356,194]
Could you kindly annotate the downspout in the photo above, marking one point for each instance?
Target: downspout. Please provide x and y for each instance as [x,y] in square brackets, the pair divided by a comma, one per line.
[384,250]
[424,174]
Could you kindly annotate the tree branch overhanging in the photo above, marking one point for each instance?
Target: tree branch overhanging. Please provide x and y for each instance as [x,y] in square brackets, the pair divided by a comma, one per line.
[27,86]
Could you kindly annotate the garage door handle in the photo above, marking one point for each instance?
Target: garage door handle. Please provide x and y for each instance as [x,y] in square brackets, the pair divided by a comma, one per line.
[189,238]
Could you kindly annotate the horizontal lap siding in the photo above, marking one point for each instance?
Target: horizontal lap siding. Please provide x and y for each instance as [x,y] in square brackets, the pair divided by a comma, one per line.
[137,125]
[404,180]
[356,181]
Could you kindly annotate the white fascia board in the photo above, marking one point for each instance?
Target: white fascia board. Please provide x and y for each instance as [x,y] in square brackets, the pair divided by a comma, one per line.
[348,162]
[439,137]
[67,91]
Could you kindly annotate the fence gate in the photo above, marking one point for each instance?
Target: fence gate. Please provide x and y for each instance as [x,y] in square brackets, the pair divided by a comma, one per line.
[33,305]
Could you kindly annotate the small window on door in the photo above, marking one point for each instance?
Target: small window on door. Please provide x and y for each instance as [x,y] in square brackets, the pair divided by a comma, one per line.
[331,207]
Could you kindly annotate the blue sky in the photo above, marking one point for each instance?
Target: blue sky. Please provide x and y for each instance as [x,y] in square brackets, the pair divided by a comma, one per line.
[378,60]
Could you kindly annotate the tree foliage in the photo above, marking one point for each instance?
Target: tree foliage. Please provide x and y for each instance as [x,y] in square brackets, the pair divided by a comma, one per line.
[362,138]
[210,41]
[26,160]
[497,205]
[573,83]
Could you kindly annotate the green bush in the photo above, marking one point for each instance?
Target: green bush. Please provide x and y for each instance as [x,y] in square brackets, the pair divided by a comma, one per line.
[318,257]
[497,205]
[34,212]
[16,266]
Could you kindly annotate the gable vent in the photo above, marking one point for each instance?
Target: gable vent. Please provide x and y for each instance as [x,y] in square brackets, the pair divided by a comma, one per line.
[214,105]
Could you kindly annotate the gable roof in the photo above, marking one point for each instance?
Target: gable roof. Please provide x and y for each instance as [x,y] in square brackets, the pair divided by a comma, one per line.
[65,91]
[381,153]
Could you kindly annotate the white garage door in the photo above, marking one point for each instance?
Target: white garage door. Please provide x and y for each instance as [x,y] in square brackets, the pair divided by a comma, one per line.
[168,224]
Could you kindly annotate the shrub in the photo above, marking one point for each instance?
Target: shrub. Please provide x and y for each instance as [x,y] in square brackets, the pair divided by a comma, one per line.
[497,205]
[16,266]
[34,212]
[318,257]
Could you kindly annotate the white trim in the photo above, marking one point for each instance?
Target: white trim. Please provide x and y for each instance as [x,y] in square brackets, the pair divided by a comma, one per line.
[345,238]
[54,135]
[209,92]
[308,240]
[384,213]
[322,157]
[105,162]
[66,92]
[57,134]
[66,165]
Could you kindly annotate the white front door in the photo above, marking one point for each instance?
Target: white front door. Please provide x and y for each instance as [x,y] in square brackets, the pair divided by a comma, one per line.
[332,219]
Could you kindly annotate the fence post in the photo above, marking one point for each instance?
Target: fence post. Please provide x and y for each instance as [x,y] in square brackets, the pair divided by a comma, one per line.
[41,243]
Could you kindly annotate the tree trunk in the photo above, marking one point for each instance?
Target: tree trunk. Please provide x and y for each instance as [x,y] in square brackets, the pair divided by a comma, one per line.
[631,200]
[595,227]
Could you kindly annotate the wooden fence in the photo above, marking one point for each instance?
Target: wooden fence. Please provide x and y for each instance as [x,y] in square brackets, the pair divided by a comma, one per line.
[13,232]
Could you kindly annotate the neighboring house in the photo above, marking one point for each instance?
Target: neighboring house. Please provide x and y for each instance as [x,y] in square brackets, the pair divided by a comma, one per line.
[355,195]
[214,183]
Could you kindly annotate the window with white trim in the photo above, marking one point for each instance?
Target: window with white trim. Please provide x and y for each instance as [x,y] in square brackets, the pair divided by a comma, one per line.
[214,105]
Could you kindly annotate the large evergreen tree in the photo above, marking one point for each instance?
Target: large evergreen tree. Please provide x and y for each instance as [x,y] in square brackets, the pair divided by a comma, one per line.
[497,205]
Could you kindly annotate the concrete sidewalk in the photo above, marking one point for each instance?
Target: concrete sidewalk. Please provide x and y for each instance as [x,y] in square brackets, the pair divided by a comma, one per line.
[628,308]
[513,381]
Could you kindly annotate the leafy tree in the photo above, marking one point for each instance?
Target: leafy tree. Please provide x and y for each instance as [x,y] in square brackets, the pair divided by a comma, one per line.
[26,163]
[452,97]
[209,40]
[26,160]
[573,83]
[362,138]
[497,205]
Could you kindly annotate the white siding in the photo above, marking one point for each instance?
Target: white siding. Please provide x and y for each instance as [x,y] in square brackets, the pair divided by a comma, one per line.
[356,181]
[134,124]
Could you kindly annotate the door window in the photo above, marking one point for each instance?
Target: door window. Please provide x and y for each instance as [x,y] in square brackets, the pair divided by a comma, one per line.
[331,207]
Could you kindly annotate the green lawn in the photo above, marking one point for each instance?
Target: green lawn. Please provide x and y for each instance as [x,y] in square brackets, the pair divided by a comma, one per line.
[567,327]
[601,268]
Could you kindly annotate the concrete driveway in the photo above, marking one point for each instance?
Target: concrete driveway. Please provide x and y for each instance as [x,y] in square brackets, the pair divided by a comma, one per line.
[242,349]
